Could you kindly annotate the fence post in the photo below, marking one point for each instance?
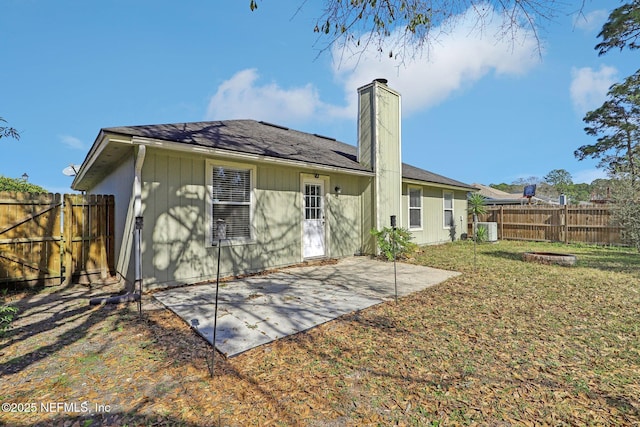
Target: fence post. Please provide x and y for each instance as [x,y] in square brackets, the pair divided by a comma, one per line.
[501,220]
[566,224]
[67,237]
[111,254]
[102,227]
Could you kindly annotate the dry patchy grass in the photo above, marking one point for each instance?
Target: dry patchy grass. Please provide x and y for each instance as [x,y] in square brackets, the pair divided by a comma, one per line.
[505,343]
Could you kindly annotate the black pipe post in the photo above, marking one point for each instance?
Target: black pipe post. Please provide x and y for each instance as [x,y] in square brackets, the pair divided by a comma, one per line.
[139,221]
[221,234]
[215,315]
[393,245]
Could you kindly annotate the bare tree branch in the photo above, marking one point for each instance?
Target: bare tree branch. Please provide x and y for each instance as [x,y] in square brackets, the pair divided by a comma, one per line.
[8,132]
[354,25]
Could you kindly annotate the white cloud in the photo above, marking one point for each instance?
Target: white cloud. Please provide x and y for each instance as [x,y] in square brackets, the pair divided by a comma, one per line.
[591,21]
[241,97]
[464,54]
[588,175]
[589,87]
[71,141]
[461,57]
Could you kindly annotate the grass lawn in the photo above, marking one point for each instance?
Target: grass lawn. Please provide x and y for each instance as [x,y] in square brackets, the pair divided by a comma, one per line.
[505,343]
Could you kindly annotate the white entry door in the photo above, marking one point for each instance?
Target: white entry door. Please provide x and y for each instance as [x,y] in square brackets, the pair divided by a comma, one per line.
[313,227]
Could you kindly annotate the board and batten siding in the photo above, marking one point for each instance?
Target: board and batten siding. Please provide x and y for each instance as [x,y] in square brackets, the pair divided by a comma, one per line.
[176,213]
[344,215]
[379,147]
[389,163]
[433,230]
[120,184]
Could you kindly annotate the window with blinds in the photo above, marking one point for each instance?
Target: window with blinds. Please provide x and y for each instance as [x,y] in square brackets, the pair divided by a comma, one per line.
[231,202]
[415,208]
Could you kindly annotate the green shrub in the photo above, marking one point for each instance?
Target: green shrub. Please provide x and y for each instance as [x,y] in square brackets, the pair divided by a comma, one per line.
[482,233]
[386,239]
[19,185]
[7,313]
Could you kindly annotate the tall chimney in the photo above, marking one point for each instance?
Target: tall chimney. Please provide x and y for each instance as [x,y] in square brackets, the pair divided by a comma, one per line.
[379,145]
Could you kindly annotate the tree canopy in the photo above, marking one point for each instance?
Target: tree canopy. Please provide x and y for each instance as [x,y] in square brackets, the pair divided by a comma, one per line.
[366,22]
[556,182]
[622,29]
[616,124]
[19,185]
[560,179]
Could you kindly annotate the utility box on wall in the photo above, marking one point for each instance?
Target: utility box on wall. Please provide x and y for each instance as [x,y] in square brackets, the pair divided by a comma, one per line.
[492,230]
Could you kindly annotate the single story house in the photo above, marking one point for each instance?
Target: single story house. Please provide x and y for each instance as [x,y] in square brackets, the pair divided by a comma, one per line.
[285,196]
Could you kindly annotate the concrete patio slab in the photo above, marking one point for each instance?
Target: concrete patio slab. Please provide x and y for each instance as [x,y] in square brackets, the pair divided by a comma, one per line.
[257,310]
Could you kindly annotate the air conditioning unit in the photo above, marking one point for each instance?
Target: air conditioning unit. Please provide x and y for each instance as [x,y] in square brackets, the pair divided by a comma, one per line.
[492,230]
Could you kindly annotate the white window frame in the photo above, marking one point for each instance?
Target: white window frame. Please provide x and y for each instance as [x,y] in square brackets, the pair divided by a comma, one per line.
[209,170]
[445,209]
[413,208]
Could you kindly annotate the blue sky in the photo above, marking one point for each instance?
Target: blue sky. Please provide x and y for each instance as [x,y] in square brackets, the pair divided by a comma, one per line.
[475,108]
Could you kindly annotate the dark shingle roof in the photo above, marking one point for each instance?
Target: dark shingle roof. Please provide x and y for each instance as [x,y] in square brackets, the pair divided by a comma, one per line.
[252,137]
[269,140]
[412,172]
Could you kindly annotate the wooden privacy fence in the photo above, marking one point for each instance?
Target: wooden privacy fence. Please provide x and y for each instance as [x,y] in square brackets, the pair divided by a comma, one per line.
[49,239]
[569,224]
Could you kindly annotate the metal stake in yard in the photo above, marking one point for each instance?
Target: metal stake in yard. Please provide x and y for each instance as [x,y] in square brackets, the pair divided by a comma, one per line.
[138,267]
[221,234]
[393,246]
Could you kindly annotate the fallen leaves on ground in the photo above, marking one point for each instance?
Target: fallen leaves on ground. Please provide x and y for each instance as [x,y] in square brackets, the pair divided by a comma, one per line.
[505,343]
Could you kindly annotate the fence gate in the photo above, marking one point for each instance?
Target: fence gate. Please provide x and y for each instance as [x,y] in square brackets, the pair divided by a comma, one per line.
[49,239]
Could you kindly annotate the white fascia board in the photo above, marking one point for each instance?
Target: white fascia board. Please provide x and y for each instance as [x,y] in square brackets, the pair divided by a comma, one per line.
[236,155]
[96,150]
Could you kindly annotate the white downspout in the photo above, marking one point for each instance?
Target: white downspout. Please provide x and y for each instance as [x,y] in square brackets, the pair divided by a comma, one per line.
[137,210]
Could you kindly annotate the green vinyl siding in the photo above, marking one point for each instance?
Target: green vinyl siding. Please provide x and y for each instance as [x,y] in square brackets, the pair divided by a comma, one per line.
[389,165]
[120,184]
[176,201]
[344,215]
[379,148]
[433,230]
[366,135]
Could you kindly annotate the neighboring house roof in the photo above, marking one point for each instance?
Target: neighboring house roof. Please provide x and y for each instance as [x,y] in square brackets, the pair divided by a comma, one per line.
[493,193]
[269,140]
[495,196]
